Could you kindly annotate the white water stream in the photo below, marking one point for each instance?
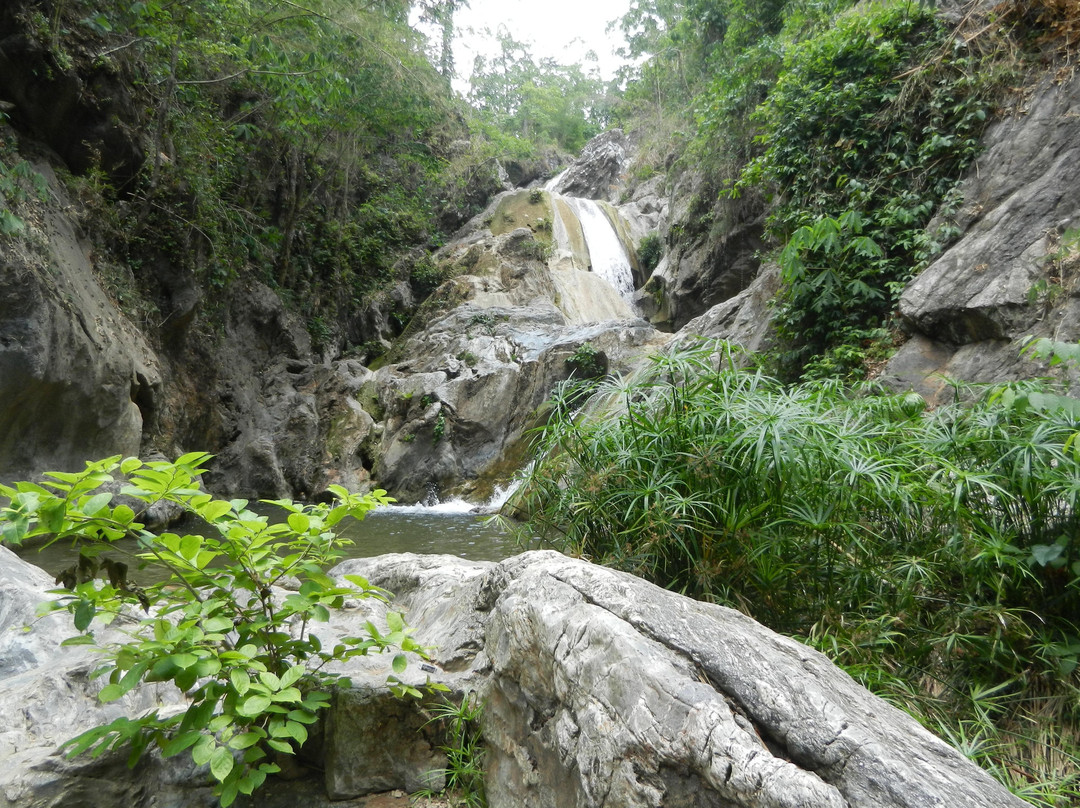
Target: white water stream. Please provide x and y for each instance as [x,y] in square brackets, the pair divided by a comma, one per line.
[607,255]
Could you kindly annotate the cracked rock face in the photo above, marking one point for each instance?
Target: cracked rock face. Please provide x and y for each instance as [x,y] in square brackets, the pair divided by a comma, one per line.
[604,690]
[601,691]
[1014,269]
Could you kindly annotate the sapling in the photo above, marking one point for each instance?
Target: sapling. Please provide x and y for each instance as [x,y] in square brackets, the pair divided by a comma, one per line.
[218,623]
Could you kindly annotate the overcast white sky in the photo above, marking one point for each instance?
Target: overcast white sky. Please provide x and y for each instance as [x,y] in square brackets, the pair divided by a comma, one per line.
[562,29]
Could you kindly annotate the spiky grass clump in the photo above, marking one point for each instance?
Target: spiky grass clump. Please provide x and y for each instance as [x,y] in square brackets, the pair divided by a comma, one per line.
[933,553]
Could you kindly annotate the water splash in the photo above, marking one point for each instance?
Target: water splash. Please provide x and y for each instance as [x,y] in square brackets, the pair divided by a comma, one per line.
[433,505]
[553,183]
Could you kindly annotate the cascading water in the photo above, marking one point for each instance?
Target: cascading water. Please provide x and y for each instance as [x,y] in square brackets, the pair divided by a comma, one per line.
[606,252]
[553,183]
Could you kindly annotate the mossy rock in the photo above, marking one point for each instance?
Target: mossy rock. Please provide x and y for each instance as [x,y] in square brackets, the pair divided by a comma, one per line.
[524,209]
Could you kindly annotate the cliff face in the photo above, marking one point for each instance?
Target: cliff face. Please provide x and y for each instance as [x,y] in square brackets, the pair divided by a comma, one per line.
[85,373]
[1013,270]
[77,378]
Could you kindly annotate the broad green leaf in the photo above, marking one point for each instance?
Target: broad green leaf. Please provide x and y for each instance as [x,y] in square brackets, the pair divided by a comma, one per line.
[251,781]
[111,692]
[221,762]
[181,742]
[84,614]
[271,680]
[203,750]
[133,676]
[297,731]
[51,514]
[300,522]
[163,670]
[190,546]
[185,678]
[78,639]
[280,746]
[184,660]
[214,510]
[293,675]
[288,695]
[240,680]
[253,706]
[192,459]
[246,739]
[228,794]
[124,514]
[170,541]
[400,663]
[217,624]
[207,666]
[96,503]
[395,621]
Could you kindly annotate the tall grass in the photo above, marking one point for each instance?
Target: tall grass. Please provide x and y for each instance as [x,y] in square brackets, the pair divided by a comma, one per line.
[933,553]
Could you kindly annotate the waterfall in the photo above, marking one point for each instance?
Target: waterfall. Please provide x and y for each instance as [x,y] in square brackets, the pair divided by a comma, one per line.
[553,183]
[606,252]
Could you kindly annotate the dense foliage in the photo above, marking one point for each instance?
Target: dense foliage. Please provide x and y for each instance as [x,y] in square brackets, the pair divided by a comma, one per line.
[302,144]
[216,622]
[871,123]
[933,553]
[847,124]
[537,101]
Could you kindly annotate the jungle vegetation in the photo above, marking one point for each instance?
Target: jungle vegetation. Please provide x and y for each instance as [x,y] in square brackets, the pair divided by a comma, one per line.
[320,148]
[931,553]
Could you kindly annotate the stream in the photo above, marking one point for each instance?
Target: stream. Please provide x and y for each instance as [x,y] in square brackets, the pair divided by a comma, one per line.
[453,528]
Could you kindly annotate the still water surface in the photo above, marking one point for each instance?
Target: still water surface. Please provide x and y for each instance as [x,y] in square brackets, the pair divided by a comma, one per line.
[449,527]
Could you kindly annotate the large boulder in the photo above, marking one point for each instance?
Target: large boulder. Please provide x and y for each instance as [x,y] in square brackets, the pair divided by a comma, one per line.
[600,170]
[600,690]
[48,695]
[604,690]
[1013,270]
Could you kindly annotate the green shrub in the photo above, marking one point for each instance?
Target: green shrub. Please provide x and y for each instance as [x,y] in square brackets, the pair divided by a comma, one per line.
[650,251]
[874,117]
[934,553]
[586,362]
[425,277]
[242,651]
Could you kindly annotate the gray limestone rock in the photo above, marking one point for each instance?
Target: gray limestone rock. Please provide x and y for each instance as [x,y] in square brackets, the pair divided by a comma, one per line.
[604,690]
[600,690]
[77,380]
[745,319]
[464,385]
[599,171]
[1010,273]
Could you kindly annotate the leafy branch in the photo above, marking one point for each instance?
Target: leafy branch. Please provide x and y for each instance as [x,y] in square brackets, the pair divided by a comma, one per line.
[220,627]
